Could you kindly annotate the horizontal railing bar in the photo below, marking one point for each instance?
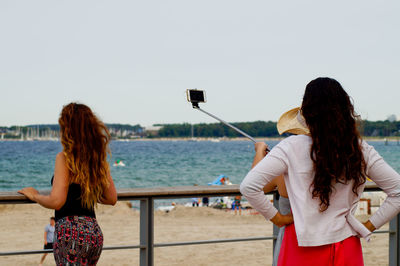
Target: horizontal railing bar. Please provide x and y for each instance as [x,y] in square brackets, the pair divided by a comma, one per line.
[14,197]
[28,252]
[212,241]
[383,232]
[124,247]
[171,244]
[25,252]
[234,240]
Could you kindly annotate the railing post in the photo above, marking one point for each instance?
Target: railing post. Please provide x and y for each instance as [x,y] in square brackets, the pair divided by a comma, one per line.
[146,232]
[275,229]
[394,241]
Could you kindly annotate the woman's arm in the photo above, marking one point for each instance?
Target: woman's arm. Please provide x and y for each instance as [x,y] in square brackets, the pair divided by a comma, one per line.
[59,191]
[389,181]
[271,186]
[45,237]
[261,150]
[110,193]
[263,172]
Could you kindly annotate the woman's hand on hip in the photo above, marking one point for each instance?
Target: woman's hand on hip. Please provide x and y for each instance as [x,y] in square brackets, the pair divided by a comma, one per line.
[369,226]
[29,192]
[282,220]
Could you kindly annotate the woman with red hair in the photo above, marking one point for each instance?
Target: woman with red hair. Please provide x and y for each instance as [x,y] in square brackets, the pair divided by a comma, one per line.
[81,180]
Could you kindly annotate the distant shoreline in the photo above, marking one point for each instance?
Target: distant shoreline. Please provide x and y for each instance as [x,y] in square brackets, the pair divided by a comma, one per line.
[212,139]
[168,139]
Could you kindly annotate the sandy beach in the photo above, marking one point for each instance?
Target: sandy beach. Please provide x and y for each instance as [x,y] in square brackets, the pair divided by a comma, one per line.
[22,229]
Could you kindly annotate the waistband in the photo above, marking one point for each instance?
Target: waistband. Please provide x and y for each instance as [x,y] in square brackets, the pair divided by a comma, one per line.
[77,219]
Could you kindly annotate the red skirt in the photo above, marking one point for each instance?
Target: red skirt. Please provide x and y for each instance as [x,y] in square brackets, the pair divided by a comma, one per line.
[347,252]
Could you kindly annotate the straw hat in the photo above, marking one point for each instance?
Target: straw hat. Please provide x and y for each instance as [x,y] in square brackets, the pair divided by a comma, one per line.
[292,122]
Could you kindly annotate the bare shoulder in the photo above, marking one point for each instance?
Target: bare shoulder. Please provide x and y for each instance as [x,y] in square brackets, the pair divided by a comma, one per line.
[60,156]
[61,159]
[61,169]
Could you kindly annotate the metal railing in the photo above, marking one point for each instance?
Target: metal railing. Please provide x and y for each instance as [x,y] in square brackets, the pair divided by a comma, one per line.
[146,196]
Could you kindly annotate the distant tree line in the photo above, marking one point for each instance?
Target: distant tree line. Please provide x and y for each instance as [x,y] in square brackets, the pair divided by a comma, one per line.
[255,129]
[266,129]
[380,128]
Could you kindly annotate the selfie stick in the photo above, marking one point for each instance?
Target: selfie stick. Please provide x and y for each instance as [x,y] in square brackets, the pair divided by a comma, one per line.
[226,123]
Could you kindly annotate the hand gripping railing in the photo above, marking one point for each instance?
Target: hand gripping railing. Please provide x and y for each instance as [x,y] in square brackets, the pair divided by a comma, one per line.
[146,196]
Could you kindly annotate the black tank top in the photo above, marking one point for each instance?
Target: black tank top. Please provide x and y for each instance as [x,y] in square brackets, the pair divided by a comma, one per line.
[73,206]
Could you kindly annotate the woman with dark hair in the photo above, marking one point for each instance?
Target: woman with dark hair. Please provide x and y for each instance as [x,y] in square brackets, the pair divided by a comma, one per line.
[81,180]
[325,173]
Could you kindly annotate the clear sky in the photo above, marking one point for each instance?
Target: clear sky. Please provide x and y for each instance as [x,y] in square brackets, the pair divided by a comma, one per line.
[131,61]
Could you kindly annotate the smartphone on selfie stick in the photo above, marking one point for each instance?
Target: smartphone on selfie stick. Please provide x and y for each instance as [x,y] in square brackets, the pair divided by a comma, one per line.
[195,97]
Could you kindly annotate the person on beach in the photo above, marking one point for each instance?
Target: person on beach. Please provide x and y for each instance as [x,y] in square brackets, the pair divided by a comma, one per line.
[236,205]
[48,238]
[195,202]
[325,174]
[81,180]
[205,201]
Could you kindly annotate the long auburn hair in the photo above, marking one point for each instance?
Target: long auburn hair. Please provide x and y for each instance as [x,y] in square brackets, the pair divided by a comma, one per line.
[336,147]
[85,141]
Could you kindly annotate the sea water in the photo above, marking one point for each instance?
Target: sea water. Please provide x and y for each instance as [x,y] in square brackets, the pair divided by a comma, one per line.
[147,163]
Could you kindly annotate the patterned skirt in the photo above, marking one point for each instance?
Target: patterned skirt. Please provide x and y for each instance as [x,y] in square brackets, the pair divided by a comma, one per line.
[78,240]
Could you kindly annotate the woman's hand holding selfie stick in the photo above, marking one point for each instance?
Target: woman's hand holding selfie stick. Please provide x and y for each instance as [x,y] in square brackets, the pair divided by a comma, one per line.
[261,150]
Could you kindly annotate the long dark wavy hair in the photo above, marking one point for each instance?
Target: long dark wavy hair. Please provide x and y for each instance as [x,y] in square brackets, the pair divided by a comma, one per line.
[336,147]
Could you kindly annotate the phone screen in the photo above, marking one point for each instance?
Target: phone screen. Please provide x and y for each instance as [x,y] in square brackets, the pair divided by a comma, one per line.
[196,96]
